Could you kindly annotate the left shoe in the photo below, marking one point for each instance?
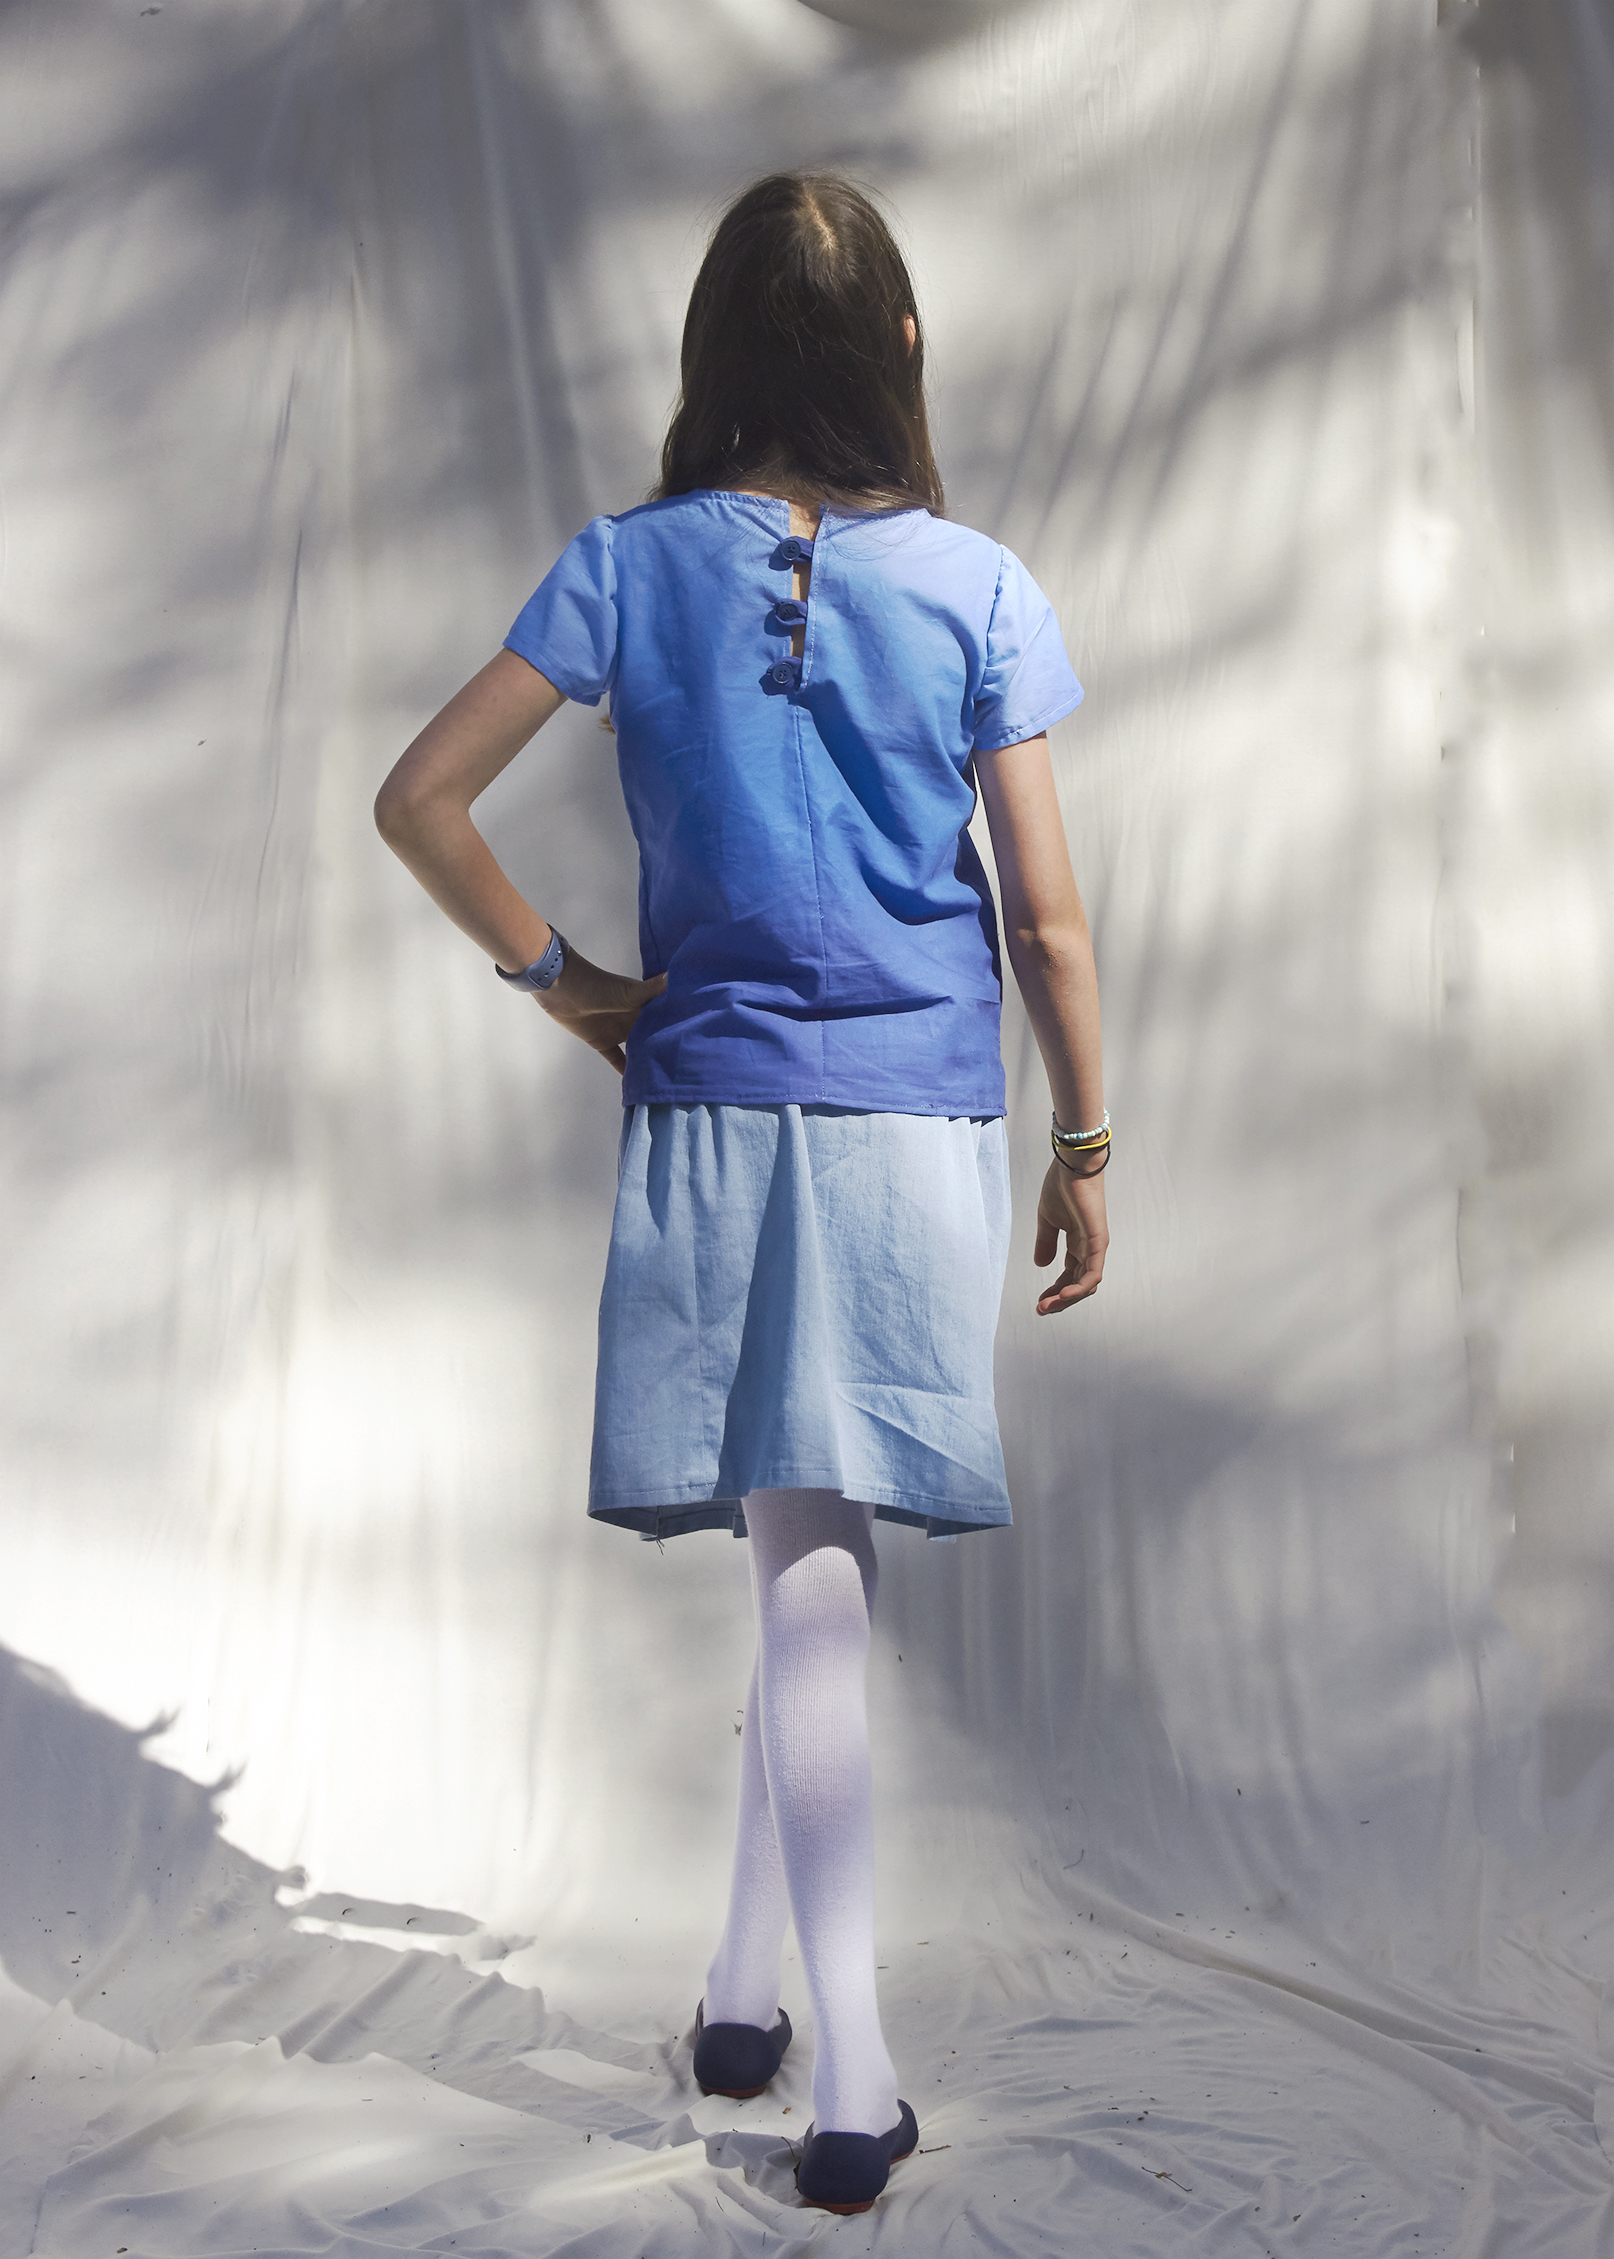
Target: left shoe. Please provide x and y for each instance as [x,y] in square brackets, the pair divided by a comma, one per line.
[737,2060]
[845,2172]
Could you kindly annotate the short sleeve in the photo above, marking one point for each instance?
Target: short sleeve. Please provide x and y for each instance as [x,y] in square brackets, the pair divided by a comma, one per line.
[1028,681]
[567,628]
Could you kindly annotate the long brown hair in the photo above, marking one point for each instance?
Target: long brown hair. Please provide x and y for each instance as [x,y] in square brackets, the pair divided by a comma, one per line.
[796,368]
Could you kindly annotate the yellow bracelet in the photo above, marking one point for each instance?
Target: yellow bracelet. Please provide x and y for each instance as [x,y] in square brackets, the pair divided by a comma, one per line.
[1102,1145]
[1064,1146]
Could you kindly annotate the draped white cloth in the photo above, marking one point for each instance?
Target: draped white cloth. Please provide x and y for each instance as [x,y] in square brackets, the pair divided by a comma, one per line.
[365,1811]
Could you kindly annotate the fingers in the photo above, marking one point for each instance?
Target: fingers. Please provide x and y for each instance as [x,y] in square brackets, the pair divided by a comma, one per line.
[1084,1268]
[1047,1246]
[603,1032]
[1071,1286]
[1074,1284]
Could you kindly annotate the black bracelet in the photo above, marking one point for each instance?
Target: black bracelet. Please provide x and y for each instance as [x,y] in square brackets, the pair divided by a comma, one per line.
[1073,1172]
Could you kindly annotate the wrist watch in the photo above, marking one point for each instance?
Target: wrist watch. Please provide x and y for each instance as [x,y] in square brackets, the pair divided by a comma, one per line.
[544,971]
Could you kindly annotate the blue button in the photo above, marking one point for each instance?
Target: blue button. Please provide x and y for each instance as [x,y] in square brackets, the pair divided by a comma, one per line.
[793,550]
[783,674]
[792,611]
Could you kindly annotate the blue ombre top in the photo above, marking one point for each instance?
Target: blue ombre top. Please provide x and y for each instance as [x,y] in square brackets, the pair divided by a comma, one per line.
[807,881]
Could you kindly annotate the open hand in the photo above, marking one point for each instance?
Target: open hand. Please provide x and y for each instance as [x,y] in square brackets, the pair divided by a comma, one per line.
[598,1006]
[1073,1205]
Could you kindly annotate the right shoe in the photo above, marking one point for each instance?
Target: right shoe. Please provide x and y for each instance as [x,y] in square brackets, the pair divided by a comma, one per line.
[845,2172]
[737,2060]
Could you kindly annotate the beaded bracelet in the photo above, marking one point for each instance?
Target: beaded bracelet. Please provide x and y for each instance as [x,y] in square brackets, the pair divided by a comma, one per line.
[1070,1139]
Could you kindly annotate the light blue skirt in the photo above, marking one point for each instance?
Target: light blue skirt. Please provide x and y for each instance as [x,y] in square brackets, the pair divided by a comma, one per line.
[801,1298]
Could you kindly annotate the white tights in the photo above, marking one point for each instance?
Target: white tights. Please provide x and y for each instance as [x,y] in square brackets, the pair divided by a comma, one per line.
[804,1845]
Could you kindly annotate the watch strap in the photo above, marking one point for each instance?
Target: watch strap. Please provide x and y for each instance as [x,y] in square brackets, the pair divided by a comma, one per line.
[544,971]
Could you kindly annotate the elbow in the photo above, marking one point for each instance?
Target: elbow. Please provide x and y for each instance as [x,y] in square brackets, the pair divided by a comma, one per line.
[395,813]
[1049,946]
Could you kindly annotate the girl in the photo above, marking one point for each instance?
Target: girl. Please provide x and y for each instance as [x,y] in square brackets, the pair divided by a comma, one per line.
[810,674]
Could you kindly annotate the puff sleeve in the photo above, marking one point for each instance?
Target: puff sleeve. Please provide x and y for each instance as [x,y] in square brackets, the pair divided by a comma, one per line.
[1027,681]
[568,627]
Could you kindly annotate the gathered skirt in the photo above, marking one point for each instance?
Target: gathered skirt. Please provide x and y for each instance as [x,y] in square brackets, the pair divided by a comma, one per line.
[801,1298]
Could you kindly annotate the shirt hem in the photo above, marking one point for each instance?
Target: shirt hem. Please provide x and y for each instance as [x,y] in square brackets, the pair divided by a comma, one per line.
[1033,728]
[973,1107]
[578,697]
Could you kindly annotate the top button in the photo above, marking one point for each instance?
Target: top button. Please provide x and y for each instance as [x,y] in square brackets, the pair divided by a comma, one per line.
[796,549]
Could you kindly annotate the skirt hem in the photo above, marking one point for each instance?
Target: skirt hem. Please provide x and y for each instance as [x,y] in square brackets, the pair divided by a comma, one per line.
[663,1518]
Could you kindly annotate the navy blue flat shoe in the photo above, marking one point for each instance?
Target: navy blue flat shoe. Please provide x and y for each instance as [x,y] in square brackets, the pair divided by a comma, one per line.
[845,2172]
[737,2059]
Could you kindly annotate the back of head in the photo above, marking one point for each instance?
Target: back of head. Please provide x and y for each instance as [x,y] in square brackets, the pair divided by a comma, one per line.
[797,372]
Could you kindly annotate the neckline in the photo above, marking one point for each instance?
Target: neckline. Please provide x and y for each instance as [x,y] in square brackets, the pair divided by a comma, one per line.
[776,503]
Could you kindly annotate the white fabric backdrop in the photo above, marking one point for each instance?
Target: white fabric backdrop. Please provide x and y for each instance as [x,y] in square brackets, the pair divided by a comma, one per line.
[366,1812]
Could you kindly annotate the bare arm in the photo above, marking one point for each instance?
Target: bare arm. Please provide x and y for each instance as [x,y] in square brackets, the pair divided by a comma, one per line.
[423,812]
[1051,954]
